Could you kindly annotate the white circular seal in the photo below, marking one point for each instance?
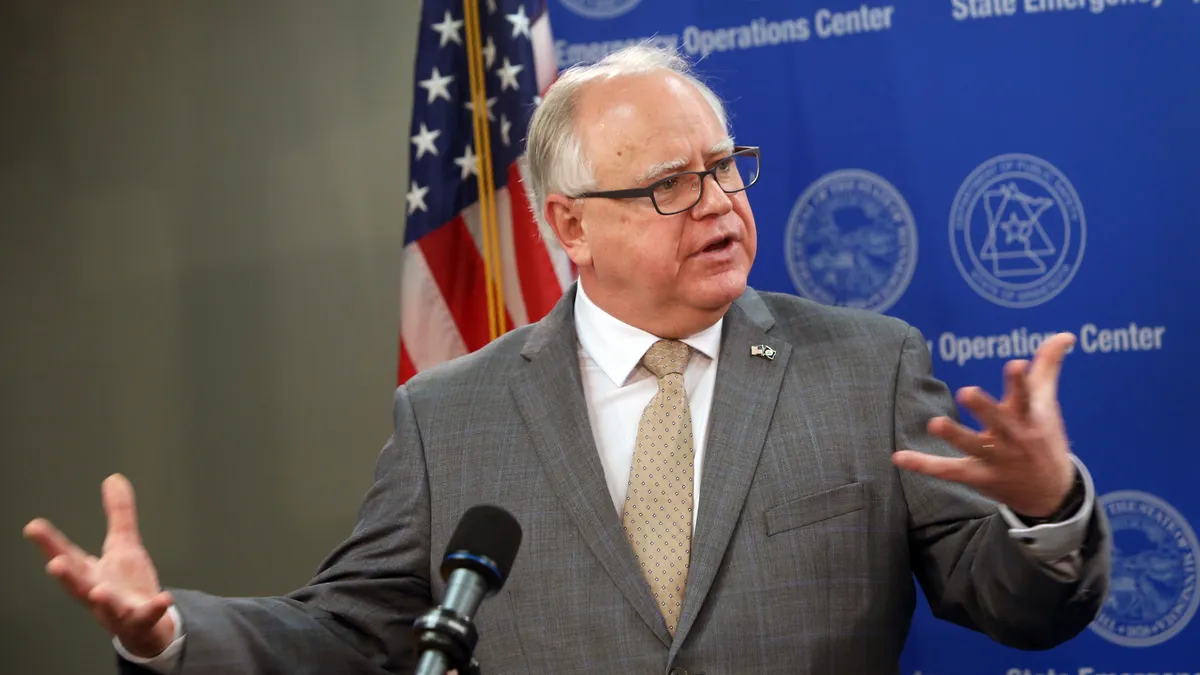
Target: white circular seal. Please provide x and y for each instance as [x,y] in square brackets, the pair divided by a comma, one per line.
[600,9]
[1152,594]
[1017,230]
[851,241]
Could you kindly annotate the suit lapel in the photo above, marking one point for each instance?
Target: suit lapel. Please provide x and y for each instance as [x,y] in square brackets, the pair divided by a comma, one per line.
[744,400]
[549,394]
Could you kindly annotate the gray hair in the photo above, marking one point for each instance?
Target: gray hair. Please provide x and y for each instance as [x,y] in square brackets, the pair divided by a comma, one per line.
[554,160]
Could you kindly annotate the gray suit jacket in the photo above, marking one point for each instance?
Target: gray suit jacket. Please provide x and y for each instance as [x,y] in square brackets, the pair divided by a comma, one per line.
[806,544]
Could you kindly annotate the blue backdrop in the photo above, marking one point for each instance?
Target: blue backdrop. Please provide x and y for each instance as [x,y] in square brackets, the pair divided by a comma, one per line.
[991,171]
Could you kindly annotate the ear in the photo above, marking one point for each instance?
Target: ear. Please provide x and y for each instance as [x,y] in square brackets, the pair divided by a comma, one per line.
[565,216]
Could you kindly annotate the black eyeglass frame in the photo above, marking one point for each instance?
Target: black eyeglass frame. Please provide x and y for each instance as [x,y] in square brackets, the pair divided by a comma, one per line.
[648,191]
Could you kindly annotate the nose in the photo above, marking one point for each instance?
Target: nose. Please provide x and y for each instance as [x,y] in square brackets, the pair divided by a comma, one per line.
[713,200]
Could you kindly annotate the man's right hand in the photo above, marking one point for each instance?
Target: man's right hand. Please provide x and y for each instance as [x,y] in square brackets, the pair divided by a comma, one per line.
[121,586]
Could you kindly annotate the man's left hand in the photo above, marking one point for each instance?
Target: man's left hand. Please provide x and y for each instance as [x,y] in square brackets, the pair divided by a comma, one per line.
[1021,458]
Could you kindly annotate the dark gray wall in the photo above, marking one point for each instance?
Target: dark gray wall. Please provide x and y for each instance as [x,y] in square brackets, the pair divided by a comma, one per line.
[202,207]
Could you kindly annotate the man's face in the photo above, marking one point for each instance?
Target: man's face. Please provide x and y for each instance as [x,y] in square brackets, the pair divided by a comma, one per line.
[636,130]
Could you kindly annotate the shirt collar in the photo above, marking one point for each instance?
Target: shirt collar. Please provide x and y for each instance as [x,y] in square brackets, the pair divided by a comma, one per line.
[617,347]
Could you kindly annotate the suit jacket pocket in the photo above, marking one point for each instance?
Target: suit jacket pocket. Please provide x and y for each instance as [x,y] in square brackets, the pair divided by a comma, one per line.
[814,508]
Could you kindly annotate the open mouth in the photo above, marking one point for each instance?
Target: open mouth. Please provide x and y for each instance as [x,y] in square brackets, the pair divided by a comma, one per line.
[718,245]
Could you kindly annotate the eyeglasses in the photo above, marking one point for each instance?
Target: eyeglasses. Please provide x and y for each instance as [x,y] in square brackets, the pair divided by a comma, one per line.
[681,191]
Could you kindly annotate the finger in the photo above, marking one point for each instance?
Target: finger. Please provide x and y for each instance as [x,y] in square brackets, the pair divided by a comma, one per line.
[987,410]
[108,607]
[966,470]
[124,614]
[1016,393]
[149,613]
[122,512]
[50,540]
[110,602]
[1047,362]
[71,574]
[968,440]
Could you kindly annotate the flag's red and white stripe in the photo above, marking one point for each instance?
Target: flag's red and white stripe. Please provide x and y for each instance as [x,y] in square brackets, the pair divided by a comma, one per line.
[443,302]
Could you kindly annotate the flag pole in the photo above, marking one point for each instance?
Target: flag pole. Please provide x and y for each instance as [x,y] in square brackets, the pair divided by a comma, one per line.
[487,186]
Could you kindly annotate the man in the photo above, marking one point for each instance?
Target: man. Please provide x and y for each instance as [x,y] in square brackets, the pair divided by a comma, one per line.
[710,480]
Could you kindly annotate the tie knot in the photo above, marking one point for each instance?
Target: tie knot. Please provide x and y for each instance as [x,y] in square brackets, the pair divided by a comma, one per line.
[665,357]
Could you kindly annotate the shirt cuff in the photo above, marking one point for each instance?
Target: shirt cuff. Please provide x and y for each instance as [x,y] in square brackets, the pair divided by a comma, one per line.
[1053,542]
[166,661]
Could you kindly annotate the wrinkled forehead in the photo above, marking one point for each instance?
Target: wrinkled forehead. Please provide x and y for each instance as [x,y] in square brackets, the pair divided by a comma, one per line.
[634,125]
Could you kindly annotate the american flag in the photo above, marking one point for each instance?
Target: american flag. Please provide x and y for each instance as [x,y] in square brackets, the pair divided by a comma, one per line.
[443,303]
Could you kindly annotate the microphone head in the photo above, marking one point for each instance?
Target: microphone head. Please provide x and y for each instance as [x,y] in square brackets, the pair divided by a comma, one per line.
[486,542]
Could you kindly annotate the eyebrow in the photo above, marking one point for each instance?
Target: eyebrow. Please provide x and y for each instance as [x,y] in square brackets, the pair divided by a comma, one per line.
[662,169]
[721,147]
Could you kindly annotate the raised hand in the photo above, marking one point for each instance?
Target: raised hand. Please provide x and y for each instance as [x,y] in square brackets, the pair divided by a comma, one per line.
[121,586]
[1021,458]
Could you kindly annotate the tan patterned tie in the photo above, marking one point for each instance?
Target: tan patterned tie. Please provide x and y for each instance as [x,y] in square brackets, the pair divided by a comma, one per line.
[658,507]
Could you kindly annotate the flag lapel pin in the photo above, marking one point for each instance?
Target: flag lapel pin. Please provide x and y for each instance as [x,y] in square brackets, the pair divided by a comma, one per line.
[765,351]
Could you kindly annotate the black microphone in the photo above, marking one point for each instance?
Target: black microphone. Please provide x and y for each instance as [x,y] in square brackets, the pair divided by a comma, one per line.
[477,562]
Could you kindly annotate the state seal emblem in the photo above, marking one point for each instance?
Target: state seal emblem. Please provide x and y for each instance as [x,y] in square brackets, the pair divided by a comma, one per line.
[1017,230]
[851,241]
[600,9]
[1152,594]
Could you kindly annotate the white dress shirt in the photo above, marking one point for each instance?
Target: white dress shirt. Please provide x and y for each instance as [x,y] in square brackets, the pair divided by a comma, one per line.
[617,389]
